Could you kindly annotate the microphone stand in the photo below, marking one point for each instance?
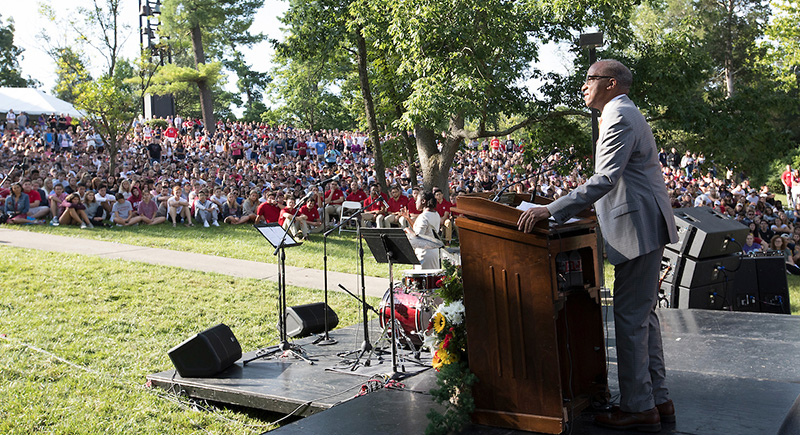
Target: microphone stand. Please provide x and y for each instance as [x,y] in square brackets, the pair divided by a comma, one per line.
[326,340]
[366,346]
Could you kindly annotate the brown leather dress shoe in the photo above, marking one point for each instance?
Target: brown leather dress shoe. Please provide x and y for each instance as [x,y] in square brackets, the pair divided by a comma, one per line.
[666,411]
[647,421]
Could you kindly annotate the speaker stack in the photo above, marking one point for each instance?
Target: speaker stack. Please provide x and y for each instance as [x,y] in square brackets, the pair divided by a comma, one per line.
[698,270]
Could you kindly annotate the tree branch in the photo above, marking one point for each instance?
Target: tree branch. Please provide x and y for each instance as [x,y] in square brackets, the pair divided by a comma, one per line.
[482,132]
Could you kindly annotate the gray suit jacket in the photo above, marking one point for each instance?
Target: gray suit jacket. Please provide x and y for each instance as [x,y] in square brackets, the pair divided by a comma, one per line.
[627,188]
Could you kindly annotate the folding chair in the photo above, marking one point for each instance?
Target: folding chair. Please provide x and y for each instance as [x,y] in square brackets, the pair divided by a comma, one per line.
[348,209]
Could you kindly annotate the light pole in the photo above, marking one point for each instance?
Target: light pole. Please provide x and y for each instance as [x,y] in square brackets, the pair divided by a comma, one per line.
[592,40]
[158,46]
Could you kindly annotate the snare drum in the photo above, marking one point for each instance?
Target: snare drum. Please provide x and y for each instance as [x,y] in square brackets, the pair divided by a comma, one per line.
[422,280]
[413,310]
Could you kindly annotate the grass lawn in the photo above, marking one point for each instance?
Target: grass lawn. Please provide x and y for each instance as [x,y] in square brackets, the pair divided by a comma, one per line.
[232,241]
[245,243]
[80,333]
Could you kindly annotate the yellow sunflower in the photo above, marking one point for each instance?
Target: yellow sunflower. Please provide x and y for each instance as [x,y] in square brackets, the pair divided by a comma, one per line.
[447,357]
[436,362]
[439,322]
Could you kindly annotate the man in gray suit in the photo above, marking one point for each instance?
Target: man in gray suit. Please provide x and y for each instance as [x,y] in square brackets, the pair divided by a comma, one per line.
[633,210]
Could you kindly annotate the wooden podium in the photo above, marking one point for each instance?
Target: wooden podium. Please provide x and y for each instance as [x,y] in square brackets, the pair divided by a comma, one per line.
[535,344]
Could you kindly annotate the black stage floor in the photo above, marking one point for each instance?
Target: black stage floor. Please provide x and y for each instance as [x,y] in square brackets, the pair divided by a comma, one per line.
[729,373]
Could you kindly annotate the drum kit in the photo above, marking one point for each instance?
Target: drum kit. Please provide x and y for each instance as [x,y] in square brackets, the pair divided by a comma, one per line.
[414,304]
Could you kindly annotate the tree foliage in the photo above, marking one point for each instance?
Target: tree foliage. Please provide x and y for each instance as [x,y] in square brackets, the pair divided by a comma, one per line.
[212,27]
[71,71]
[306,90]
[10,55]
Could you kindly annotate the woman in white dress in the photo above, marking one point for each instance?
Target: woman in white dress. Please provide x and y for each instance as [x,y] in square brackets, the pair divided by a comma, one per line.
[422,233]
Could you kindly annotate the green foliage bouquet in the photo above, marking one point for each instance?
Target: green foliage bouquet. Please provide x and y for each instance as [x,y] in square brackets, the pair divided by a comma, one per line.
[448,340]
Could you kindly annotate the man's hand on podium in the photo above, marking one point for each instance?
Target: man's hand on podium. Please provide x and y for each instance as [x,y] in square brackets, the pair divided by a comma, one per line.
[530,216]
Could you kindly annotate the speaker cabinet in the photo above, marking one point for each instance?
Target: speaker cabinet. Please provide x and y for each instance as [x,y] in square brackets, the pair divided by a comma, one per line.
[773,288]
[744,294]
[703,233]
[695,273]
[303,320]
[708,297]
[207,353]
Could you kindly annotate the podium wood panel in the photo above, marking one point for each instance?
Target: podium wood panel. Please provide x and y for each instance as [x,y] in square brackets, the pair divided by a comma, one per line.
[519,326]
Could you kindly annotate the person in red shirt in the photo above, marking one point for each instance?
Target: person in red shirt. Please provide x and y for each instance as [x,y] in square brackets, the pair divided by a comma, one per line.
[302,149]
[333,197]
[395,205]
[299,228]
[310,211]
[268,211]
[786,179]
[495,143]
[413,211]
[373,205]
[38,208]
[171,134]
[356,193]
[443,207]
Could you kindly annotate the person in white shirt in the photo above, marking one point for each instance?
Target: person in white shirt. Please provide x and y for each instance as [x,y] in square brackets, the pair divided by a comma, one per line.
[104,199]
[422,233]
[178,206]
[204,210]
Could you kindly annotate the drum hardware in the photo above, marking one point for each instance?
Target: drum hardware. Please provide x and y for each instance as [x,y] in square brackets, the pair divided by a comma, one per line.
[422,280]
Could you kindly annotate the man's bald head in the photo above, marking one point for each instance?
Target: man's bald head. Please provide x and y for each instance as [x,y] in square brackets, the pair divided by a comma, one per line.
[616,69]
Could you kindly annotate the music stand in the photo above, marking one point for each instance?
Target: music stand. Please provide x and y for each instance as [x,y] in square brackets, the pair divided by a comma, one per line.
[280,239]
[390,245]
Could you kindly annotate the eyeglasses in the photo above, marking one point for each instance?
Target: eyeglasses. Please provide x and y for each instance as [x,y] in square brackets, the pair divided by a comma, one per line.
[590,78]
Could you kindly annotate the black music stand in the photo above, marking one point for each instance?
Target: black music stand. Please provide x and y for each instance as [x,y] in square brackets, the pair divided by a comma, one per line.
[390,245]
[280,239]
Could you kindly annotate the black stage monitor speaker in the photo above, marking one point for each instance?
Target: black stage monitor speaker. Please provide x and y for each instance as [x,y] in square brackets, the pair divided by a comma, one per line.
[691,272]
[207,353]
[703,233]
[302,320]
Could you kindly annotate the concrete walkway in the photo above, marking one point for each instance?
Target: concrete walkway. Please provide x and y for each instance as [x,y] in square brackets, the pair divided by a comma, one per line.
[310,278]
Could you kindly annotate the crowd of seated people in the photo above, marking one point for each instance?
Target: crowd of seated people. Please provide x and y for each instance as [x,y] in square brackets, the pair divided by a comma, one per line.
[251,172]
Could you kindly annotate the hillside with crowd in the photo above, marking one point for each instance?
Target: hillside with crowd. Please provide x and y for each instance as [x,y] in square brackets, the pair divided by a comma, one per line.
[56,171]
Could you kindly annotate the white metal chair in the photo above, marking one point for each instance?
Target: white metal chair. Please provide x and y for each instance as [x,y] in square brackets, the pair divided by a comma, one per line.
[349,208]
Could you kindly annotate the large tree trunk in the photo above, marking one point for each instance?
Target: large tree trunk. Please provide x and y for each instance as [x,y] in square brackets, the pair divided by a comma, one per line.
[729,84]
[206,99]
[369,107]
[436,164]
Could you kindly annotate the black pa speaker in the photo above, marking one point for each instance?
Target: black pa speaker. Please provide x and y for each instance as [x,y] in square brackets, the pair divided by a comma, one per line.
[744,292]
[207,353]
[707,297]
[302,320]
[703,233]
[761,285]
[690,272]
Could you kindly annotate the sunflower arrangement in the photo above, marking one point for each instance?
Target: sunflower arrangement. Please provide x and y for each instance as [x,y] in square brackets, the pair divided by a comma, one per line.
[447,338]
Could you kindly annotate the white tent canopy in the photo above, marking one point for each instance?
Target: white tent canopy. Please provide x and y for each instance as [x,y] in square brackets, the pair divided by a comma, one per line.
[34,102]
